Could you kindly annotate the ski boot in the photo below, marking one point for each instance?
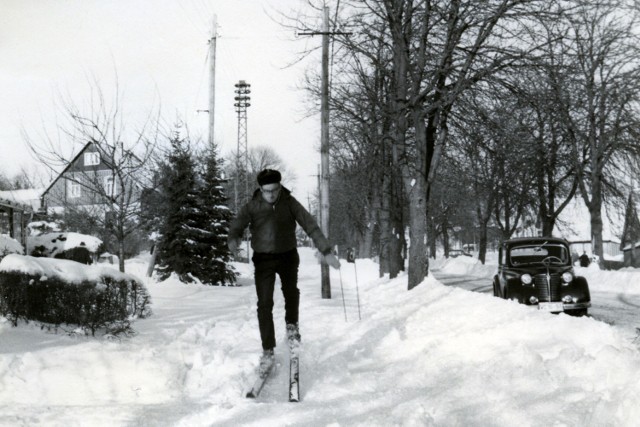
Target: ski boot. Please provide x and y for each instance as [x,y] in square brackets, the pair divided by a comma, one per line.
[266,362]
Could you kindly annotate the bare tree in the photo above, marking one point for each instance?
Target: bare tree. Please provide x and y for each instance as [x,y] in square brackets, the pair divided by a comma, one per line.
[114,188]
[439,50]
[601,94]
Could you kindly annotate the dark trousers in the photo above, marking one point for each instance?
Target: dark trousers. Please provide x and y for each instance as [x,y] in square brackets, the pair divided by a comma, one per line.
[267,266]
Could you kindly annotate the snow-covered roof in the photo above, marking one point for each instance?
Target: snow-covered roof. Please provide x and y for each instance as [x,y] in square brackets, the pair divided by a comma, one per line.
[29,197]
[630,246]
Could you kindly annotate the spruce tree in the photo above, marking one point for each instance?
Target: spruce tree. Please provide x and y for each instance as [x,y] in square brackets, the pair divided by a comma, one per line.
[180,230]
[215,268]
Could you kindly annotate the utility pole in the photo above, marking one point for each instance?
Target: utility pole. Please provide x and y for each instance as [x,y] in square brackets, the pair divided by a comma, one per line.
[212,79]
[324,148]
[324,143]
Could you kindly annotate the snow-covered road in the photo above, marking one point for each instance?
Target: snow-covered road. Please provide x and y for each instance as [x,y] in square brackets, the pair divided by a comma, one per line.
[618,309]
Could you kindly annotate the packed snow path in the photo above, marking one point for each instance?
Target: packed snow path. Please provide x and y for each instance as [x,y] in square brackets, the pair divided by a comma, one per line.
[433,356]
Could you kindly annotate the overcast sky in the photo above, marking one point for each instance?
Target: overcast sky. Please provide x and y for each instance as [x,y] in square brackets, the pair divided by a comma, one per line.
[158,49]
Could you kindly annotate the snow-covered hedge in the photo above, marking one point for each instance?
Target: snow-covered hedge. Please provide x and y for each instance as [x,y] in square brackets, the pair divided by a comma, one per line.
[59,292]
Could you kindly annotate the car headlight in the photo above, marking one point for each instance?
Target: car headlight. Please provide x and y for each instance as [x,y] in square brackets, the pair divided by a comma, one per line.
[526,279]
[567,277]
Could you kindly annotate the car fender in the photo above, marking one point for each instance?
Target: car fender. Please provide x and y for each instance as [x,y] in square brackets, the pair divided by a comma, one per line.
[515,287]
[581,286]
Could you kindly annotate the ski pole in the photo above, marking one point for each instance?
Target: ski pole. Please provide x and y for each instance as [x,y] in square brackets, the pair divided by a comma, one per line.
[357,289]
[344,306]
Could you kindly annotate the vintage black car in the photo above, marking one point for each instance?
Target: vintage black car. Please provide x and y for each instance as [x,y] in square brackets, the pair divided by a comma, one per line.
[538,271]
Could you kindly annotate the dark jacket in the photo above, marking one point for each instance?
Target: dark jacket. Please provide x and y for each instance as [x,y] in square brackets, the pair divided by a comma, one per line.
[273,227]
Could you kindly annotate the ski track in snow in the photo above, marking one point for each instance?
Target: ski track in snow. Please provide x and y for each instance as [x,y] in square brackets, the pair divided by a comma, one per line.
[433,356]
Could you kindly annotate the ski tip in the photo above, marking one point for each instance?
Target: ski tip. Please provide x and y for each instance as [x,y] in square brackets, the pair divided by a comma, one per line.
[251,395]
[294,400]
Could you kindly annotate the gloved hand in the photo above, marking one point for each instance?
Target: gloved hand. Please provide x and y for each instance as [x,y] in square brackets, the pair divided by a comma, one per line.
[332,260]
[234,244]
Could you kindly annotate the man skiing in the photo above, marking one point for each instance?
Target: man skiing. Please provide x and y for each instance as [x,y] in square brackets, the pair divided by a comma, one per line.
[272,214]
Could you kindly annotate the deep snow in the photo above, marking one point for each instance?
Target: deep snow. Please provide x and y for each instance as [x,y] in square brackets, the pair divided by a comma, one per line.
[435,355]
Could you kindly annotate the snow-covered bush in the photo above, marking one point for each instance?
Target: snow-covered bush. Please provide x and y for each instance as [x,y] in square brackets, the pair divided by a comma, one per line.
[59,292]
[73,246]
[9,245]
[37,228]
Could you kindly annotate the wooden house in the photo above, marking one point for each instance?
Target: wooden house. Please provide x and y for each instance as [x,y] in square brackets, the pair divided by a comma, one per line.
[89,181]
[14,218]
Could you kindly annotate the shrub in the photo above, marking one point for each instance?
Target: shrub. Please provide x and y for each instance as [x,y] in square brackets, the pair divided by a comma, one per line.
[79,254]
[613,265]
[65,292]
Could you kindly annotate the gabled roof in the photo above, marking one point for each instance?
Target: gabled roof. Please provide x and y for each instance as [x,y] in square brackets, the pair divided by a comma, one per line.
[104,158]
[71,163]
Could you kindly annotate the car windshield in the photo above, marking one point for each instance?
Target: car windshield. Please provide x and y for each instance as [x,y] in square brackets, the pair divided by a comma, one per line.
[532,254]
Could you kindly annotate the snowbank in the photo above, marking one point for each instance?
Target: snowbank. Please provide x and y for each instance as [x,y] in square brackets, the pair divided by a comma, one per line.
[431,356]
[464,265]
[626,280]
[9,245]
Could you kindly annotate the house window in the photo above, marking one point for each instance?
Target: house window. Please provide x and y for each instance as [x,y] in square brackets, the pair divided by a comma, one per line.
[5,223]
[74,189]
[91,159]
[109,186]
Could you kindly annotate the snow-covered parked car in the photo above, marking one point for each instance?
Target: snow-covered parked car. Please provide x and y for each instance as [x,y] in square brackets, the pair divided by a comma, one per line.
[537,271]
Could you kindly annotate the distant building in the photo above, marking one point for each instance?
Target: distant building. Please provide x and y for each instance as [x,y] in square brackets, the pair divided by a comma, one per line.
[14,217]
[87,181]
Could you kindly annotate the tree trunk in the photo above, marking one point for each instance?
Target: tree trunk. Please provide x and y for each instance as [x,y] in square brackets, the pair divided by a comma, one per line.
[445,239]
[395,239]
[121,255]
[366,244]
[385,227]
[548,224]
[482,243]
[483,221]
[418,261]
[595,211]
[431,238]
[372,217]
